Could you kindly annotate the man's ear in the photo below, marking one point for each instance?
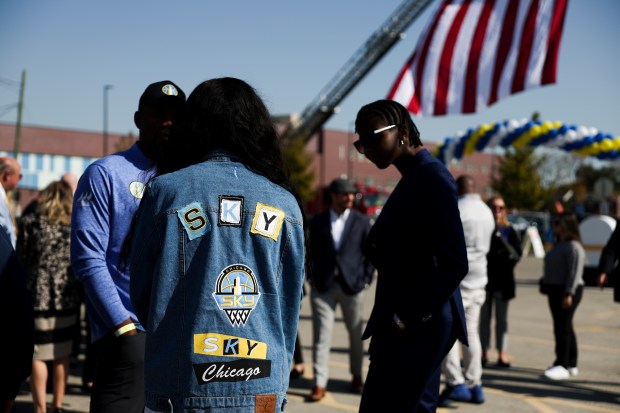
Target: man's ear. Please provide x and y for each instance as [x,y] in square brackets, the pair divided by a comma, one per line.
[136,119]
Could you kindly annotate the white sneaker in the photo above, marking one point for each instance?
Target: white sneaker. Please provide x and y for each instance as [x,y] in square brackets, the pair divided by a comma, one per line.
[573,371]
[557,373]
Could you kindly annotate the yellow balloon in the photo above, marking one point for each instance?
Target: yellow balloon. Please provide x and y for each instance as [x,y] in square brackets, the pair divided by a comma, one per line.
[606,145]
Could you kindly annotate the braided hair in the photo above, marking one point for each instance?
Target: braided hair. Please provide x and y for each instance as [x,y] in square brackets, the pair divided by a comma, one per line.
[393,113]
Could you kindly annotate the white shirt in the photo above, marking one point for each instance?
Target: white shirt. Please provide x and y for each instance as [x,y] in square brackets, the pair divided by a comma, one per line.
[6,220]
[338,222]
[478,227]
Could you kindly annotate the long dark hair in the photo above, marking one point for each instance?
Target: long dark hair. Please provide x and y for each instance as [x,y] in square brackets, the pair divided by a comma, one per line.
[225,114]
[570,224]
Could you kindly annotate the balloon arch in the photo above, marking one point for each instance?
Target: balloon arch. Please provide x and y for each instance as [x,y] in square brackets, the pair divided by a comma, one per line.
[580,140]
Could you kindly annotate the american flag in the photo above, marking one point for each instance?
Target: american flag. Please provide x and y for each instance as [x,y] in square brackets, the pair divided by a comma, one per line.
[475,52]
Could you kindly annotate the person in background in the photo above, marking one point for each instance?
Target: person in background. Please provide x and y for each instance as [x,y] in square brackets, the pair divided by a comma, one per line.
[608,263]
[217,261]
[298,368]
[340,274]
[418,311]
[464,379]
[10,175]
[16,317]
[43,245]
[70,179]
[106,198]
[502,258]
[563,275]
[32,206]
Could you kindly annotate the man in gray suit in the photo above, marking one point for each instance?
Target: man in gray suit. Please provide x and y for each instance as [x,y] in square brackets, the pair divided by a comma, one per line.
[339,275]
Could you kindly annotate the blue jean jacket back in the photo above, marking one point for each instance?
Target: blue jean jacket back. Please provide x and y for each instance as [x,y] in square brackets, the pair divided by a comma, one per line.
[217,268]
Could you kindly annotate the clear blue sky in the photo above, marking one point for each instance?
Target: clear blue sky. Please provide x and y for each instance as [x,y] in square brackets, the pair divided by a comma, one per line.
[288,50]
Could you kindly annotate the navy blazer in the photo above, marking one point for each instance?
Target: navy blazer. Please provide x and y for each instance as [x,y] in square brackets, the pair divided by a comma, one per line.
[608,263]
[355,270]
[418,247]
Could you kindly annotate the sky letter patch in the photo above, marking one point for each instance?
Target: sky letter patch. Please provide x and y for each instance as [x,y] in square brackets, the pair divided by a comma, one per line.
[194,220]
[267,221]
[231,210]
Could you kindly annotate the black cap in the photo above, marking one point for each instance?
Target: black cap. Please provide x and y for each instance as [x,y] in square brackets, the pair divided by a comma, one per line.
[342,186]
[161,90]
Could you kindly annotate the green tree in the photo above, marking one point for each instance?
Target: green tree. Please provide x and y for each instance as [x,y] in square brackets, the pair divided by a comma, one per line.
[298,161]
[589,174]
[518,181]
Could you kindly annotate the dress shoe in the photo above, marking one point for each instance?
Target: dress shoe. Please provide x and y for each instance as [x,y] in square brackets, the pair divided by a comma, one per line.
[356,385]
[318,393]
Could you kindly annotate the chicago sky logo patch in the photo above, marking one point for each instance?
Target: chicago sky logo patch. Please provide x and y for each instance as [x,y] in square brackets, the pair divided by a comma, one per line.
[267,221]
[236,293]
[194,220]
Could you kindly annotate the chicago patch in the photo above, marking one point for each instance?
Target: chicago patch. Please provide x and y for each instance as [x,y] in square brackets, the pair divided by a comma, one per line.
[236,293]
[238,370]
[194,220]
[230,210]
[267,221]
[222,345]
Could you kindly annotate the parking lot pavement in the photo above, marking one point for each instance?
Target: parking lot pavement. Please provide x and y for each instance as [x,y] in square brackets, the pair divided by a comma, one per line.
[519,389]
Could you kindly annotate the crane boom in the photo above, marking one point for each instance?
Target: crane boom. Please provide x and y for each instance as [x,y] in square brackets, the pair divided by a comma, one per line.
[380,42]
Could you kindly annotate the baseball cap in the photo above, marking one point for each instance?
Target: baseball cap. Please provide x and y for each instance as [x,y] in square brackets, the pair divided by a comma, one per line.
[342,186]
[159,91]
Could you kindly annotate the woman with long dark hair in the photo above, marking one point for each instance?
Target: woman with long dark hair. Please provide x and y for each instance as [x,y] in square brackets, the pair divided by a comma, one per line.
[217,260]
[563,276]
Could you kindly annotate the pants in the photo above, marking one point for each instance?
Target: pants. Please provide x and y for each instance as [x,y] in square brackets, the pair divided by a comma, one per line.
[298,356]
[471,374]
[405,366]
[323,313]
[565,338]
[119,375]
[501,321]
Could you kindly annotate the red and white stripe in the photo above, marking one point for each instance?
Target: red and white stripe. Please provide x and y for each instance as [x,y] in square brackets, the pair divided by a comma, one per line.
[475,52]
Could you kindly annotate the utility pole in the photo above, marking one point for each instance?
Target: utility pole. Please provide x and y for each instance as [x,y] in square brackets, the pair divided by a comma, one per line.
[20,109]
[105,118]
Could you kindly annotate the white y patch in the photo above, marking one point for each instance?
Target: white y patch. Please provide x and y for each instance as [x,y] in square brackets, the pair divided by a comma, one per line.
[267,221]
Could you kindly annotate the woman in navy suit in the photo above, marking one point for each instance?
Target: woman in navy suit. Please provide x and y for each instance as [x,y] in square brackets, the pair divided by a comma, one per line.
[418,248]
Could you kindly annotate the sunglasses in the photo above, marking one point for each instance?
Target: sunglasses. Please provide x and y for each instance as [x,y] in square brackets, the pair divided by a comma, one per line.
[370,139]
[498,207]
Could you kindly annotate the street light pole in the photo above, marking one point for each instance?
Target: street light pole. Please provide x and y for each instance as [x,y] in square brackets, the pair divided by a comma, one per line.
[105,118]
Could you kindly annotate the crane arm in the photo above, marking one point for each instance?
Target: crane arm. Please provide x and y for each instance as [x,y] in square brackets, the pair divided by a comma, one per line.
[318,112]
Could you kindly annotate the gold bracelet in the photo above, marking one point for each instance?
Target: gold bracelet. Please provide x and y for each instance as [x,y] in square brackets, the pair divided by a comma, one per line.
[124,329]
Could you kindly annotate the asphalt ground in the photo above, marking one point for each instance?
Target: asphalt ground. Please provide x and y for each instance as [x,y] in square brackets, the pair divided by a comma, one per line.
[519,389]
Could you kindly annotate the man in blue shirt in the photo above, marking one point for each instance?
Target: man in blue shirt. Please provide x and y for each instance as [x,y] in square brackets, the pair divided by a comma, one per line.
[107,196]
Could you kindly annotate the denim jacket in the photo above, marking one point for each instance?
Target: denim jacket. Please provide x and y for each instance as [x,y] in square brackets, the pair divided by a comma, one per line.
[217,268]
